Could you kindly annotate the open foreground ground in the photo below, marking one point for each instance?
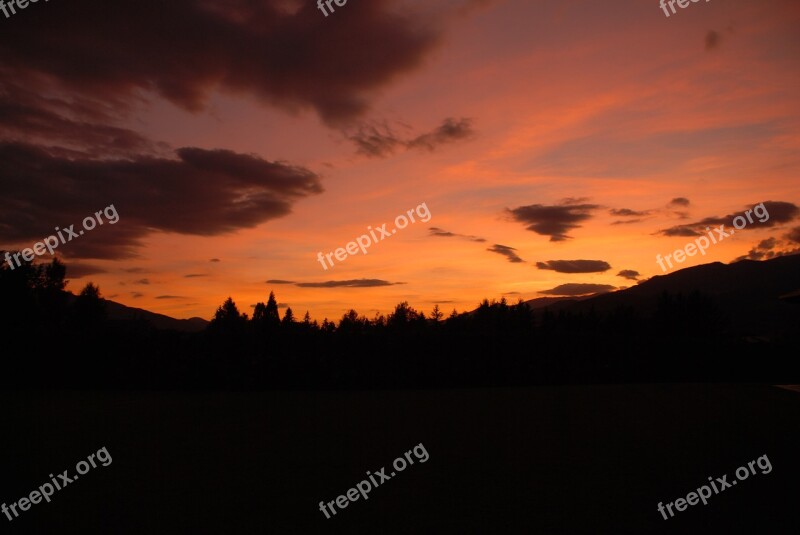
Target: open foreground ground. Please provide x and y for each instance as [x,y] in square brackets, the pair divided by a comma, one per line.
[591,459]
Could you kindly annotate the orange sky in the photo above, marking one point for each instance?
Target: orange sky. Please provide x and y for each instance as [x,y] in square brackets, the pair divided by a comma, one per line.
[610,104]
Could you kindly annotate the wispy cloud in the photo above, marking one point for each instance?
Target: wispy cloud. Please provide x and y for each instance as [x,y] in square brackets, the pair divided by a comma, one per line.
[779,212]
[355,283]
[508,252]
[379,140]
[578,289]
[575,266]
[77,270]
[712,40]
[629,274]
[627,212]
[441,233]
[771,248]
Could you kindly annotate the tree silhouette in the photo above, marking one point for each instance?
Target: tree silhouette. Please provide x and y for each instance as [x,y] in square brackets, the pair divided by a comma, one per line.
[266,317]
[436,314]
[89,309]
[497,343]
[328,326]
[227,319]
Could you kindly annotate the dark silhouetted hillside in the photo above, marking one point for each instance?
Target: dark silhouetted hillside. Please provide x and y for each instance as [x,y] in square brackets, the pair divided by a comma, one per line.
[707,323]
[118,311]
[749,291]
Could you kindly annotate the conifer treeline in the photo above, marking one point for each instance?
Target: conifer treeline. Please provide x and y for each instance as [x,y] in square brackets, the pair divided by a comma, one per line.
[54,339]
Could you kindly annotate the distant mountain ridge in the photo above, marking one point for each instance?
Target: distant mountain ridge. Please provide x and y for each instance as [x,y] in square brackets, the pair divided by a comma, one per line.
[765,291]
[120,312]
[755,294]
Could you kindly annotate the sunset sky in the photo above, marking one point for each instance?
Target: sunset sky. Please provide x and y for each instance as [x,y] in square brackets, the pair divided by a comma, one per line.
[239,138]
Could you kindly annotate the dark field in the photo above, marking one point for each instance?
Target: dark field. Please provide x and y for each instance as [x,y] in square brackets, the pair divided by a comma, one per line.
[590,459]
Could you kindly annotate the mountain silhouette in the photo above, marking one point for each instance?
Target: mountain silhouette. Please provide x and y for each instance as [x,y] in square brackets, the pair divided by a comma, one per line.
[714,322]
[119,312]
[751,291]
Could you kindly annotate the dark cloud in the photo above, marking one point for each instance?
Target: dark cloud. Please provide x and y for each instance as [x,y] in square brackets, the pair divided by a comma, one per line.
[356,283]
[195,275]
[680,230]
[28,115]
[201,192]
[142,281]
[578,289]
[794,235]
[761,251]
[170,297]
[215,260]
[626,212]
[779,212]
[279,281]
[136,295]
[573,200]
[378,140]
[767,245]
[712,40]
[436,231]
[629,274]
[756,254]
[554,221]
[134,270]
[293,59]
[508,252]
[575,266]
[450,130]
[679,201]
[769,248]
[76,270]
[66,98]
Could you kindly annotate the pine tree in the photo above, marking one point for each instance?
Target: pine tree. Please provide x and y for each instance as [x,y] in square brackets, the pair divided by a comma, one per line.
[89,307]
[272,309]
